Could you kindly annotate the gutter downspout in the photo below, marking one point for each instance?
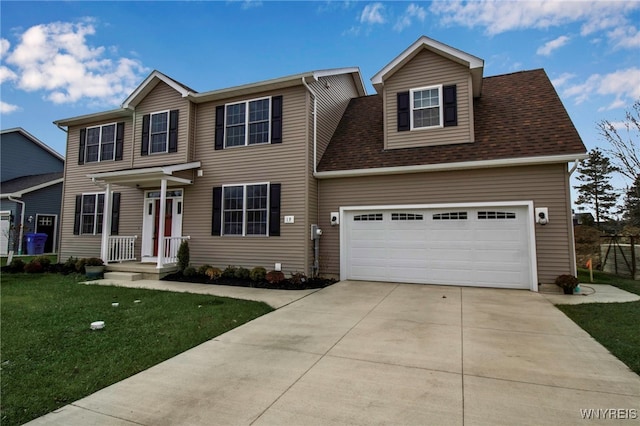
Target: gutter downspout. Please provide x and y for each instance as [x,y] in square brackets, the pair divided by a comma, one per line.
[316,246]
[21,222]
[572,236]
[315,125]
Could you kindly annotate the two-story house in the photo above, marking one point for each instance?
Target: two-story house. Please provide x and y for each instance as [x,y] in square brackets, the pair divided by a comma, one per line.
[30,190]
[444,176]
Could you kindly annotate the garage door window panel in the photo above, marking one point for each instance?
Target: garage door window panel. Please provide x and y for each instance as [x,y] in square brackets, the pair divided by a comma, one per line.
[485,215]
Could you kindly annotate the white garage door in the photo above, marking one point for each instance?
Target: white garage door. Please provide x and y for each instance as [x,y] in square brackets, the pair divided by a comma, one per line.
[479,246]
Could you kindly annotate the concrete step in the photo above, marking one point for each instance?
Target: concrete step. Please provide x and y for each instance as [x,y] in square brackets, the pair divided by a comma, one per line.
[123,276]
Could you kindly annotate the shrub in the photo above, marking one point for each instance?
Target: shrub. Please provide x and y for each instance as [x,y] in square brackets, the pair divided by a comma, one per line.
[17,265]
[80,265]
[183,255]
[70,264]
[93,261]
[189,271]
[298,279]
[33,267]
[567,282]
[274,277]
[203,269]
[258,274]
[44,261]
[213,273]
[242,273]
[229,272]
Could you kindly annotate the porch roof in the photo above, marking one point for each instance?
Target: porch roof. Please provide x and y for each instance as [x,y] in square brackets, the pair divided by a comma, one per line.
[146,177]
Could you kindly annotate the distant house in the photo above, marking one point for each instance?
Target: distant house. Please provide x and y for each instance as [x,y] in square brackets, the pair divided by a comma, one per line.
[30,190]
[444,176]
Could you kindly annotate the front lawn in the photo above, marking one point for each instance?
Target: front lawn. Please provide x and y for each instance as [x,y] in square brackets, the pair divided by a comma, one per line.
[614,325]
[50,356]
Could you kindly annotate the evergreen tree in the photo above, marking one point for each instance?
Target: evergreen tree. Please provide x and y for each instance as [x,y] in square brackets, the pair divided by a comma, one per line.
[595,190]
[631,209]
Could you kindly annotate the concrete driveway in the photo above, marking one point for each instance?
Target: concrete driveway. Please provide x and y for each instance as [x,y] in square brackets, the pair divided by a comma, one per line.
[380,353]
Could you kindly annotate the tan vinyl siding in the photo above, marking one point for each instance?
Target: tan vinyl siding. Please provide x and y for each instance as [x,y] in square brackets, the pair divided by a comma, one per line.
[331,104]
[76,183]
[283,163]
[332,101]
[163,98]
[428,69]
[545,185]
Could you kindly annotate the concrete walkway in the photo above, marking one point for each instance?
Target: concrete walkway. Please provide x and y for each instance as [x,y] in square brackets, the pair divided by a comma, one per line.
[274,298]
[379,353]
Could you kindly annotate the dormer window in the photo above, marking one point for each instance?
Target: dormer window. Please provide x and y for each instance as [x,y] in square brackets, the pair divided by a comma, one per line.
[426,105]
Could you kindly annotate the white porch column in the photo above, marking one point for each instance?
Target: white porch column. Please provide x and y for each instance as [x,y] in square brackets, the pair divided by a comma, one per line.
[106,224]
[161,218]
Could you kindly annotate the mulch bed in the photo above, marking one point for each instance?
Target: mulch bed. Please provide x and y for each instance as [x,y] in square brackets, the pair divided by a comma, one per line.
[309,283]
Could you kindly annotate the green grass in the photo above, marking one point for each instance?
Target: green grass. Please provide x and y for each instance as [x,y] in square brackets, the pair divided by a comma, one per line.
[50,356]
[614,325]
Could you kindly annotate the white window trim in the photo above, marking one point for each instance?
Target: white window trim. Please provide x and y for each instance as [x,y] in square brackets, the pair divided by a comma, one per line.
[246,122]
[115,137]
[440,106]
[244,209]
[96,231]
[166,142]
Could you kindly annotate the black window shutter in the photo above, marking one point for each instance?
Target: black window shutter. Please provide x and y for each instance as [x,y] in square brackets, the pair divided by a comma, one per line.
[276,119]
[119,140]
[173,131]
[216,219]
[115,213]
[83,142]
[450,106]
[146,121]
[219,143]
[404,111]
[76,218]
[274,210]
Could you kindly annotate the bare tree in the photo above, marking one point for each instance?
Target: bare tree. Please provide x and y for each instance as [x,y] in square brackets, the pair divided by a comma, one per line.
[625,149]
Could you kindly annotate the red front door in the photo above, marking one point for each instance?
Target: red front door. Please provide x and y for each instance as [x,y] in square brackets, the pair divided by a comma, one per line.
[167,223]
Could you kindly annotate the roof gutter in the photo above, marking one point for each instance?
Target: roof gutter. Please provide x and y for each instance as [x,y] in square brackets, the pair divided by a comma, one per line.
[466,165]
[315,126]
[576,163]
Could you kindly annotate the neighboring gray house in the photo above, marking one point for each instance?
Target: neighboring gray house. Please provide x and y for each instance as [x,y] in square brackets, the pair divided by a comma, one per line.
[30,190]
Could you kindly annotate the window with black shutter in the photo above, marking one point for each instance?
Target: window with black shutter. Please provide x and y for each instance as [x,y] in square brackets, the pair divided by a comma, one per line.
[252,122]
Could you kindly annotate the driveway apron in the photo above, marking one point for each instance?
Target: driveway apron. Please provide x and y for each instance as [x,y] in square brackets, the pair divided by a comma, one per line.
[379,353]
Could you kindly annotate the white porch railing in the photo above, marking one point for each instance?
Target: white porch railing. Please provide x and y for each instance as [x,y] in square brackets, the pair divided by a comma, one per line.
[121,248]
[171,246]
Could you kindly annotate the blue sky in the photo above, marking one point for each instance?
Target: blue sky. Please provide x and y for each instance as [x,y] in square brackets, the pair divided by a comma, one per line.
[63,59]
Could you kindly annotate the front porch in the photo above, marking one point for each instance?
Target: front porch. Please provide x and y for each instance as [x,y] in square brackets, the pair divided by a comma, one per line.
[121,261]
[134,271]
[154,254]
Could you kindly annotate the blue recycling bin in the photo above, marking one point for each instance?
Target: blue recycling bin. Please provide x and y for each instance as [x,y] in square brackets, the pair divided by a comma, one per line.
[35,243]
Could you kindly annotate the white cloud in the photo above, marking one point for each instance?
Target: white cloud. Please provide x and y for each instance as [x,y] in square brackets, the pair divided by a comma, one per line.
[4,47]
[498,16]
[627,37]
[6,108]
[624,85]
[6,74]
[56,58]
[413,12]
[562,79]
[372,14]
[552,45]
